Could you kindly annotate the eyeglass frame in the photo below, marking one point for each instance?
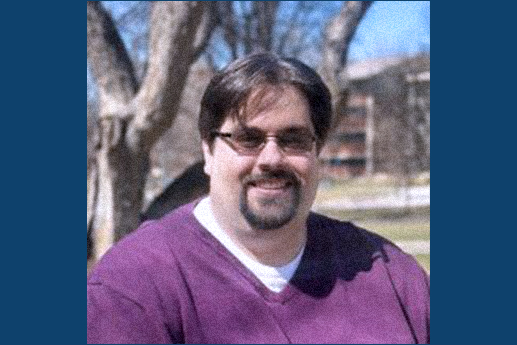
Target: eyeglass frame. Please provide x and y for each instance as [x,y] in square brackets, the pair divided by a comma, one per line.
[226,137]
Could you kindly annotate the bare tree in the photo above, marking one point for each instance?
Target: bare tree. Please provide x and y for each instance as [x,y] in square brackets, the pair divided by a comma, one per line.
[139,86]
[337,38]
[133,23]
[250,30]
[295,32]
[288,28]
[133,114]
[91,134]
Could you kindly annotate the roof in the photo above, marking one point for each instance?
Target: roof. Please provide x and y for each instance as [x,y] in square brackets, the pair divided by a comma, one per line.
[366,69]
[419,77]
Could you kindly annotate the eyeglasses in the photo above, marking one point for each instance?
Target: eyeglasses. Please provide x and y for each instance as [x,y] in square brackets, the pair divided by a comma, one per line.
[250,142]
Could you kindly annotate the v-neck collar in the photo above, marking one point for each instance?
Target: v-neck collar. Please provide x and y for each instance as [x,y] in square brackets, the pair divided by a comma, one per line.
[313,275]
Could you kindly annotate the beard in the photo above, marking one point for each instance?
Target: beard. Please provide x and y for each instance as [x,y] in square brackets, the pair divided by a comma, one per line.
[269,213]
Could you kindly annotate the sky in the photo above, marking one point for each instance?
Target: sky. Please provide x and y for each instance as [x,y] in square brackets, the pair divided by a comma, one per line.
[388,28]
[393,27]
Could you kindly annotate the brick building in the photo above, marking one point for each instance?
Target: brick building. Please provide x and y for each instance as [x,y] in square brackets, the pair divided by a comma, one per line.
[384,127]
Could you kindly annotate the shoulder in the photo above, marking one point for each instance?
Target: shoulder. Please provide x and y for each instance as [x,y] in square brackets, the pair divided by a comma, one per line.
[346,233]
[140,258]
[371,260]
[134,292]
[355,243]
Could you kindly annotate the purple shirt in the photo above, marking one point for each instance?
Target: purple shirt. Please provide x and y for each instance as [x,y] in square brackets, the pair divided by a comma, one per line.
[172,282]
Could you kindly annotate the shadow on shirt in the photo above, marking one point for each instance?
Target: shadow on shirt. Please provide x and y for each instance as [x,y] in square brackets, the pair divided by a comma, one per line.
[336,250]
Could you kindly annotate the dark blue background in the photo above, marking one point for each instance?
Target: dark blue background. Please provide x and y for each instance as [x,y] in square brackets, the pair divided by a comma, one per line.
[42,118]
[473,188]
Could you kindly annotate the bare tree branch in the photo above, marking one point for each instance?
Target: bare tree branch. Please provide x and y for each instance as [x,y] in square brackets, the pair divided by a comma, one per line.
[131,119]
[208,24]
[230,26]
[91,202]
[108,58]
[338,35]
[292,22]
[347,23]
[137,13]
[266,19]
[174,25]
[248,42]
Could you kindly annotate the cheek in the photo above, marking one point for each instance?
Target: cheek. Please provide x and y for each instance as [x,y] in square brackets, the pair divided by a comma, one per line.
[313,184]
[230,171]
[310,183]
[309,171]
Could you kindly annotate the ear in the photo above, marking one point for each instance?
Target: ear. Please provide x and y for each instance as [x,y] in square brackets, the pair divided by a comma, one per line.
[208,156]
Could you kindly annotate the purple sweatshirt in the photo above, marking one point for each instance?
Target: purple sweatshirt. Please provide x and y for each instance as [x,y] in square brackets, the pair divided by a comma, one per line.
[172,282]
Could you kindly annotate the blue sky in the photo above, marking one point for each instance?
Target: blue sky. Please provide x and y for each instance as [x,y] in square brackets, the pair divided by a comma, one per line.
[388,28]
[393,27]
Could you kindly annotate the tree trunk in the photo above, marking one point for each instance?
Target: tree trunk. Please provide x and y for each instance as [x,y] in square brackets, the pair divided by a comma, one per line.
[133,117]
[338,35]
[266,18]
[122,176]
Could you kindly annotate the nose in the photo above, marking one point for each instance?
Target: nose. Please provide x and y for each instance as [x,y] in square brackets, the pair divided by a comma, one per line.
[271,156]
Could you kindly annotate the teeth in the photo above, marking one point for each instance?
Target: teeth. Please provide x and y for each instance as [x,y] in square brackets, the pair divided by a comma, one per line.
[271,184]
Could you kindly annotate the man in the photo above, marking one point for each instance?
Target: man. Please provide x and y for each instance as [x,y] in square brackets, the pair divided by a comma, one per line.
[251,263]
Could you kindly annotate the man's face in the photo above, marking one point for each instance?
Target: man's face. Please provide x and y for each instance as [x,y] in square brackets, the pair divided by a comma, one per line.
[273,187]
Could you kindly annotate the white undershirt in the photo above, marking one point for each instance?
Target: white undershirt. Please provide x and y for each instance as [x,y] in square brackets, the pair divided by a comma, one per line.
[275,278]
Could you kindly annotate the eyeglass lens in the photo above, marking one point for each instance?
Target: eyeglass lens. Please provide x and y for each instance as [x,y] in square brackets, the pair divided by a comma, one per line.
[291,141]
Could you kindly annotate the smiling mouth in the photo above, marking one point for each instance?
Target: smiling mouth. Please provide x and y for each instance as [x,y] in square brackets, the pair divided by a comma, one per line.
[271,184]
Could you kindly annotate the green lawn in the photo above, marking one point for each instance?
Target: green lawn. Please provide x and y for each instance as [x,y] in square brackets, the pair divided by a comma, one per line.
[396,229]
[398,226]
[425,261]
[356,188]
[403,230]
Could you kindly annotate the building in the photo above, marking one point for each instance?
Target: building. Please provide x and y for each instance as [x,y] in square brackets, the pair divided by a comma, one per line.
[385,125]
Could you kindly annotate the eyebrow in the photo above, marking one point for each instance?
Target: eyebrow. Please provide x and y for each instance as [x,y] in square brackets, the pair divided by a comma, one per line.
[288,130]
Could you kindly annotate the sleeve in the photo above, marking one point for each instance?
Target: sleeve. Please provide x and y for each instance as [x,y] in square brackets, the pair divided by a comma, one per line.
[113,318]
[426,293]
[412,286]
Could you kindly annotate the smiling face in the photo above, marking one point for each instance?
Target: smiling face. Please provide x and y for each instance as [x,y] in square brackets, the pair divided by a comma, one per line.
[269,200]
[273,188]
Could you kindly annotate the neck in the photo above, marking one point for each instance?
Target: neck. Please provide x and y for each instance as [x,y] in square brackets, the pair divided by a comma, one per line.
[272,247]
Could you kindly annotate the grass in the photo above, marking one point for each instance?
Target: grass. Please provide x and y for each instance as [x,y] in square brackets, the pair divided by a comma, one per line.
[405,230]
[397,226]
[364,187]
[354,188]
[425,261]
[384,214]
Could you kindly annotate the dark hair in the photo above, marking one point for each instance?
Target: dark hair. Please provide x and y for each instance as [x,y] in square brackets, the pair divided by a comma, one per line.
[229,90]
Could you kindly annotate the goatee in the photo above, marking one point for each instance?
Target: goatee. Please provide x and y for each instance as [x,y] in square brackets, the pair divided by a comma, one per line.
[269,213]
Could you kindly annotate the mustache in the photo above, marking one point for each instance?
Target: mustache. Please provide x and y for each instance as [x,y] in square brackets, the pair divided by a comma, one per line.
[276,174]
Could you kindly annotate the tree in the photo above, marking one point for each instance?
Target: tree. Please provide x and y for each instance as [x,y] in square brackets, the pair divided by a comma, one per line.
[132,114]
[250,31]
[288,28]
[139,86]
[336,43]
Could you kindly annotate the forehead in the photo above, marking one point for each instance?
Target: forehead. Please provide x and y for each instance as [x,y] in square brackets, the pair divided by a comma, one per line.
[273,108]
